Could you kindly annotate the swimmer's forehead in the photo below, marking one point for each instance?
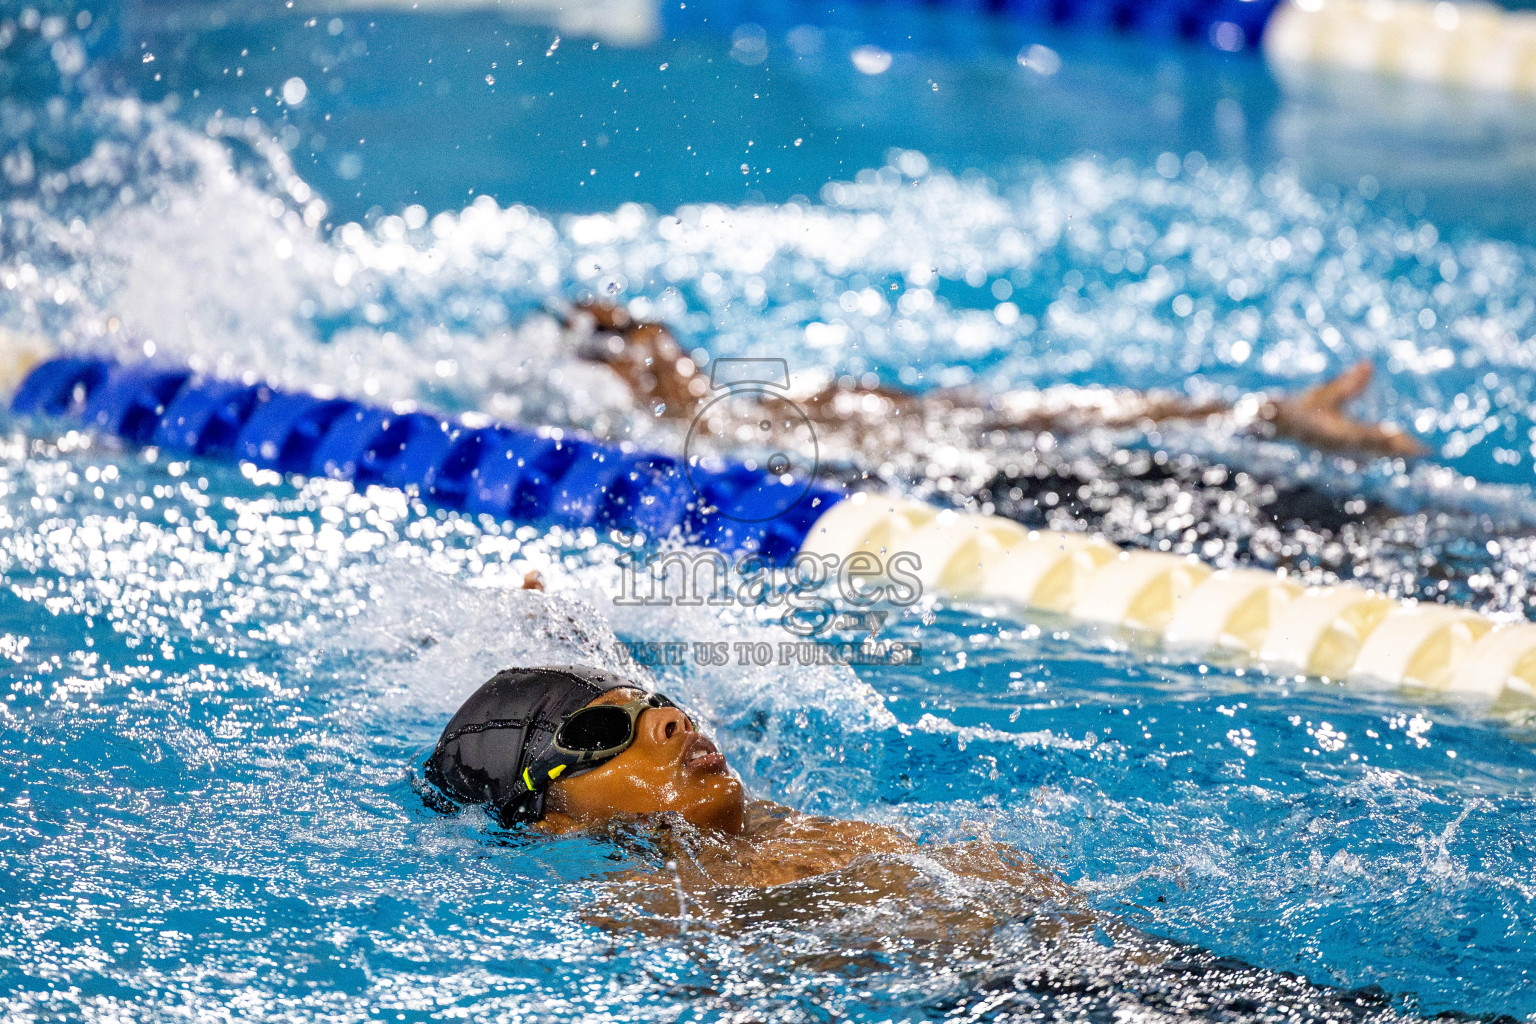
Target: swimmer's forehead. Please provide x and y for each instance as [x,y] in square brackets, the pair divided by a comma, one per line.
[623,695]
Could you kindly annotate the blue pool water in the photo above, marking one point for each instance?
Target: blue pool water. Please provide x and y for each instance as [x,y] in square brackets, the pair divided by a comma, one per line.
[218,680]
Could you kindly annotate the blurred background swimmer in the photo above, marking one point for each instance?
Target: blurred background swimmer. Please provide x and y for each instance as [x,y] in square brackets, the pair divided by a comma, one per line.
[869,415]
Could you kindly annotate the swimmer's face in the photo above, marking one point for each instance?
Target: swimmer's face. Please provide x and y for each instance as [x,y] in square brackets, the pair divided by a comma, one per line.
[671,766]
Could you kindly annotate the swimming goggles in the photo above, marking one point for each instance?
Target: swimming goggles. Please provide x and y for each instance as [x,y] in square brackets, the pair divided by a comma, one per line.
[597,733]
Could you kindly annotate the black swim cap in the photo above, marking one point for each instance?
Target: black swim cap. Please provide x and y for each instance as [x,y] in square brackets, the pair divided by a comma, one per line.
[506,727]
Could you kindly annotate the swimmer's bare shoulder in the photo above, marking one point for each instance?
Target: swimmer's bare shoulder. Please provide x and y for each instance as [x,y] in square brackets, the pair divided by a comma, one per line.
[778,846]
[796,845]
[786,868]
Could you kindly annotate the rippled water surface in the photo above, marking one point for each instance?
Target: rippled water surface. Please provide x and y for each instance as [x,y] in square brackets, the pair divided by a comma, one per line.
[218,680]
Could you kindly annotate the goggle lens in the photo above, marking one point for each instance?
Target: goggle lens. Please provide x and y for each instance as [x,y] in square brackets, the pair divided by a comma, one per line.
[599,728]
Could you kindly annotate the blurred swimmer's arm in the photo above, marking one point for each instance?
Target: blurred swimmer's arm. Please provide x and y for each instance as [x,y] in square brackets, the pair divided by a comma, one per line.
[667,381]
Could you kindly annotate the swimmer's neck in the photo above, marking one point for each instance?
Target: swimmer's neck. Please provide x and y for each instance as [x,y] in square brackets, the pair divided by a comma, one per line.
[754,813]
[779,843]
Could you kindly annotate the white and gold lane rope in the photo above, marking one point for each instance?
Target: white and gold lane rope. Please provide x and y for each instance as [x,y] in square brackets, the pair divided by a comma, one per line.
[1472,45]
[1341,632]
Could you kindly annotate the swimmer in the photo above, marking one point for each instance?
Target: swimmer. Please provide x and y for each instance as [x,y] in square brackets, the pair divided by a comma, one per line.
[572,749]
[601,748]
[662,377]
[566,748]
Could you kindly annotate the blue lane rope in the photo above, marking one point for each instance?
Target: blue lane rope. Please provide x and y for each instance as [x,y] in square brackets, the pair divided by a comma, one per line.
[1189,20]
[507,472]
[1197,21]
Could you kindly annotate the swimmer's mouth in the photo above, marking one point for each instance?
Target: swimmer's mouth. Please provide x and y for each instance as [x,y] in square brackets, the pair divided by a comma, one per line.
[702,756]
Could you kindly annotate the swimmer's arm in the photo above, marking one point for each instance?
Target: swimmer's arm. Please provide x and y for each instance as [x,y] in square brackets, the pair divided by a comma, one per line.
[1316,417]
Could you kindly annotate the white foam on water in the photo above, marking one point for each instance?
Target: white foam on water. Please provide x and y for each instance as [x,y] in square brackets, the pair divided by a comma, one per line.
[741,685]
[967,734]
[213,252]
[435,638]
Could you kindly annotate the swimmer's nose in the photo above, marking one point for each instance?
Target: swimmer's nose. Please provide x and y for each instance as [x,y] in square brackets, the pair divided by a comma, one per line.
[662,725]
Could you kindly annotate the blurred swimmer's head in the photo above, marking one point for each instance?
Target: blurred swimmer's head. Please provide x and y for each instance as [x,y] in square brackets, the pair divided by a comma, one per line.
[568,746]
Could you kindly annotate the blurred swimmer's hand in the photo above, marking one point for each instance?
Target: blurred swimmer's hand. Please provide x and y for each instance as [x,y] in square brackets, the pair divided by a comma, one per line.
[1317,417]
[645,355]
